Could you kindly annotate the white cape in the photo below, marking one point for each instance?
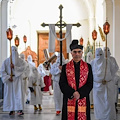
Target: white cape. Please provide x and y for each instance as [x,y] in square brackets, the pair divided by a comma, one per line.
[13,91]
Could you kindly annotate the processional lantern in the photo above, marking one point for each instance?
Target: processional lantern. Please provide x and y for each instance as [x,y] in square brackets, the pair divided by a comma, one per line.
[25,40]
[16,41]
[106,28]
[81,41]
[94,36]
[9,33]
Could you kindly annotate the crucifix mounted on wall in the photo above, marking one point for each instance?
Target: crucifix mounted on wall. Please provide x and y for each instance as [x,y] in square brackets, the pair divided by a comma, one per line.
[60,24]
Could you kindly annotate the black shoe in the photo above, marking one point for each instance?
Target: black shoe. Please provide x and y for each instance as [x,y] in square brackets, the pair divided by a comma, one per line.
[20,112]
[27,102]
[12,113]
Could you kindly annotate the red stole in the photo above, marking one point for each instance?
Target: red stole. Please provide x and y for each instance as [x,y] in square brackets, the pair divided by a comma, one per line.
[70,72]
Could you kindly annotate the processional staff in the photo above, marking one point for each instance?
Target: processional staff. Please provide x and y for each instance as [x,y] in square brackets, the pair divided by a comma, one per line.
[9,33]
[61,24]
[106,28]
[94,36]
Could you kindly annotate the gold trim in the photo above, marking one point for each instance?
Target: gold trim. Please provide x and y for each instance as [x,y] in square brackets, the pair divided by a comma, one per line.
[82,109]
[71,108]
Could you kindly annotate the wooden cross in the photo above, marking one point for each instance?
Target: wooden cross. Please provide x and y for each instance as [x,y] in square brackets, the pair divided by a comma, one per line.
[61,24]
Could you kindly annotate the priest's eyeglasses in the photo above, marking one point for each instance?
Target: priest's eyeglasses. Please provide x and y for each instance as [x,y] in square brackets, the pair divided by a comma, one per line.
[77,52]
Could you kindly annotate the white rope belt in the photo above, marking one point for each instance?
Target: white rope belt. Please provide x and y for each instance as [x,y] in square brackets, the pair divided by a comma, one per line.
[103,82]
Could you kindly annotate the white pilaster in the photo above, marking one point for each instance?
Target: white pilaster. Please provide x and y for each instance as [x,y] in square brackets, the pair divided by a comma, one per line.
[108,15]
[4,26]
[92,26]
[116,32]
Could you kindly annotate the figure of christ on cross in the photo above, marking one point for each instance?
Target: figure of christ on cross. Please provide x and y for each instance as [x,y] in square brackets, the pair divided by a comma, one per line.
[61,24]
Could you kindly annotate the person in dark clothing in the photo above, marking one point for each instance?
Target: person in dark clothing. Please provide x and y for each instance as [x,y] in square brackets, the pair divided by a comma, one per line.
[76,82]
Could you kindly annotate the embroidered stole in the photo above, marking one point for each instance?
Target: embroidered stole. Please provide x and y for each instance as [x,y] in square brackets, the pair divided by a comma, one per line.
[70,72]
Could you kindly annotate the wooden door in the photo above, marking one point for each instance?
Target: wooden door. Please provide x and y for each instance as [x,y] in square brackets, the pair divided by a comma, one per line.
[43,44]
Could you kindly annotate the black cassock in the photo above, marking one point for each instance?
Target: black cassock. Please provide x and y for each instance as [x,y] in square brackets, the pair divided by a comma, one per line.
[68,91]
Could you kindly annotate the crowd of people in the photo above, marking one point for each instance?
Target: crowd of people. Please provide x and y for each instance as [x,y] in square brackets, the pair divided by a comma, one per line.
[73,82]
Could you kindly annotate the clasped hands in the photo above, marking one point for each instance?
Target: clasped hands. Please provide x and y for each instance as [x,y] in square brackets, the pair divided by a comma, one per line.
[76,95]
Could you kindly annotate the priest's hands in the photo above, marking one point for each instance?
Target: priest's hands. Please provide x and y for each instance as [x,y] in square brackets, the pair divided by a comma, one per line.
[76,95]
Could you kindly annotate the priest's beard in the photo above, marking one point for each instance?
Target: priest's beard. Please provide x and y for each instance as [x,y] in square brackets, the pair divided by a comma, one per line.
[15,57]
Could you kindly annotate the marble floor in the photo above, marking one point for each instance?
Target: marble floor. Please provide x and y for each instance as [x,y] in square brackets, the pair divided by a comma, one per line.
[47,113]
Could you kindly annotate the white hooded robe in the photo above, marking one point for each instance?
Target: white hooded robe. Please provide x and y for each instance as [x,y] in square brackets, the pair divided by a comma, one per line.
[13,91]
[35,78]
[55,71]
[89,59]
[104,105]
[116,67]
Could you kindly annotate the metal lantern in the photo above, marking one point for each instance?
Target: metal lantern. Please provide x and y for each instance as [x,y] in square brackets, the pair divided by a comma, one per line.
[17,41]
[94,35]
[106,28]
[81,41]
[24,38]
[9,33]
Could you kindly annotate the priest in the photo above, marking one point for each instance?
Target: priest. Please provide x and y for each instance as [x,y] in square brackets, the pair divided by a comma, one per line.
[76,82]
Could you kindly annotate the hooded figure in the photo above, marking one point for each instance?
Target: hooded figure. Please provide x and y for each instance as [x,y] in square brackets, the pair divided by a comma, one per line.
[89,59]
[116,77]
[55,71]
[35,84]
[25,81]
[29,59]
[13,87]
[103,87]
[22,56]
[112,59]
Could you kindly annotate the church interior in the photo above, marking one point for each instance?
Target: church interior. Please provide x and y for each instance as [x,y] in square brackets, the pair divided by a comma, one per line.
[31,37]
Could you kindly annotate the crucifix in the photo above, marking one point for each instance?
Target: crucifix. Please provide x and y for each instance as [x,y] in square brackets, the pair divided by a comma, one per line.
[61,24]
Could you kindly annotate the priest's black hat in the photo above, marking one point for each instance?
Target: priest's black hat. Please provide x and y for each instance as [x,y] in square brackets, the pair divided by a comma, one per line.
[75,45]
